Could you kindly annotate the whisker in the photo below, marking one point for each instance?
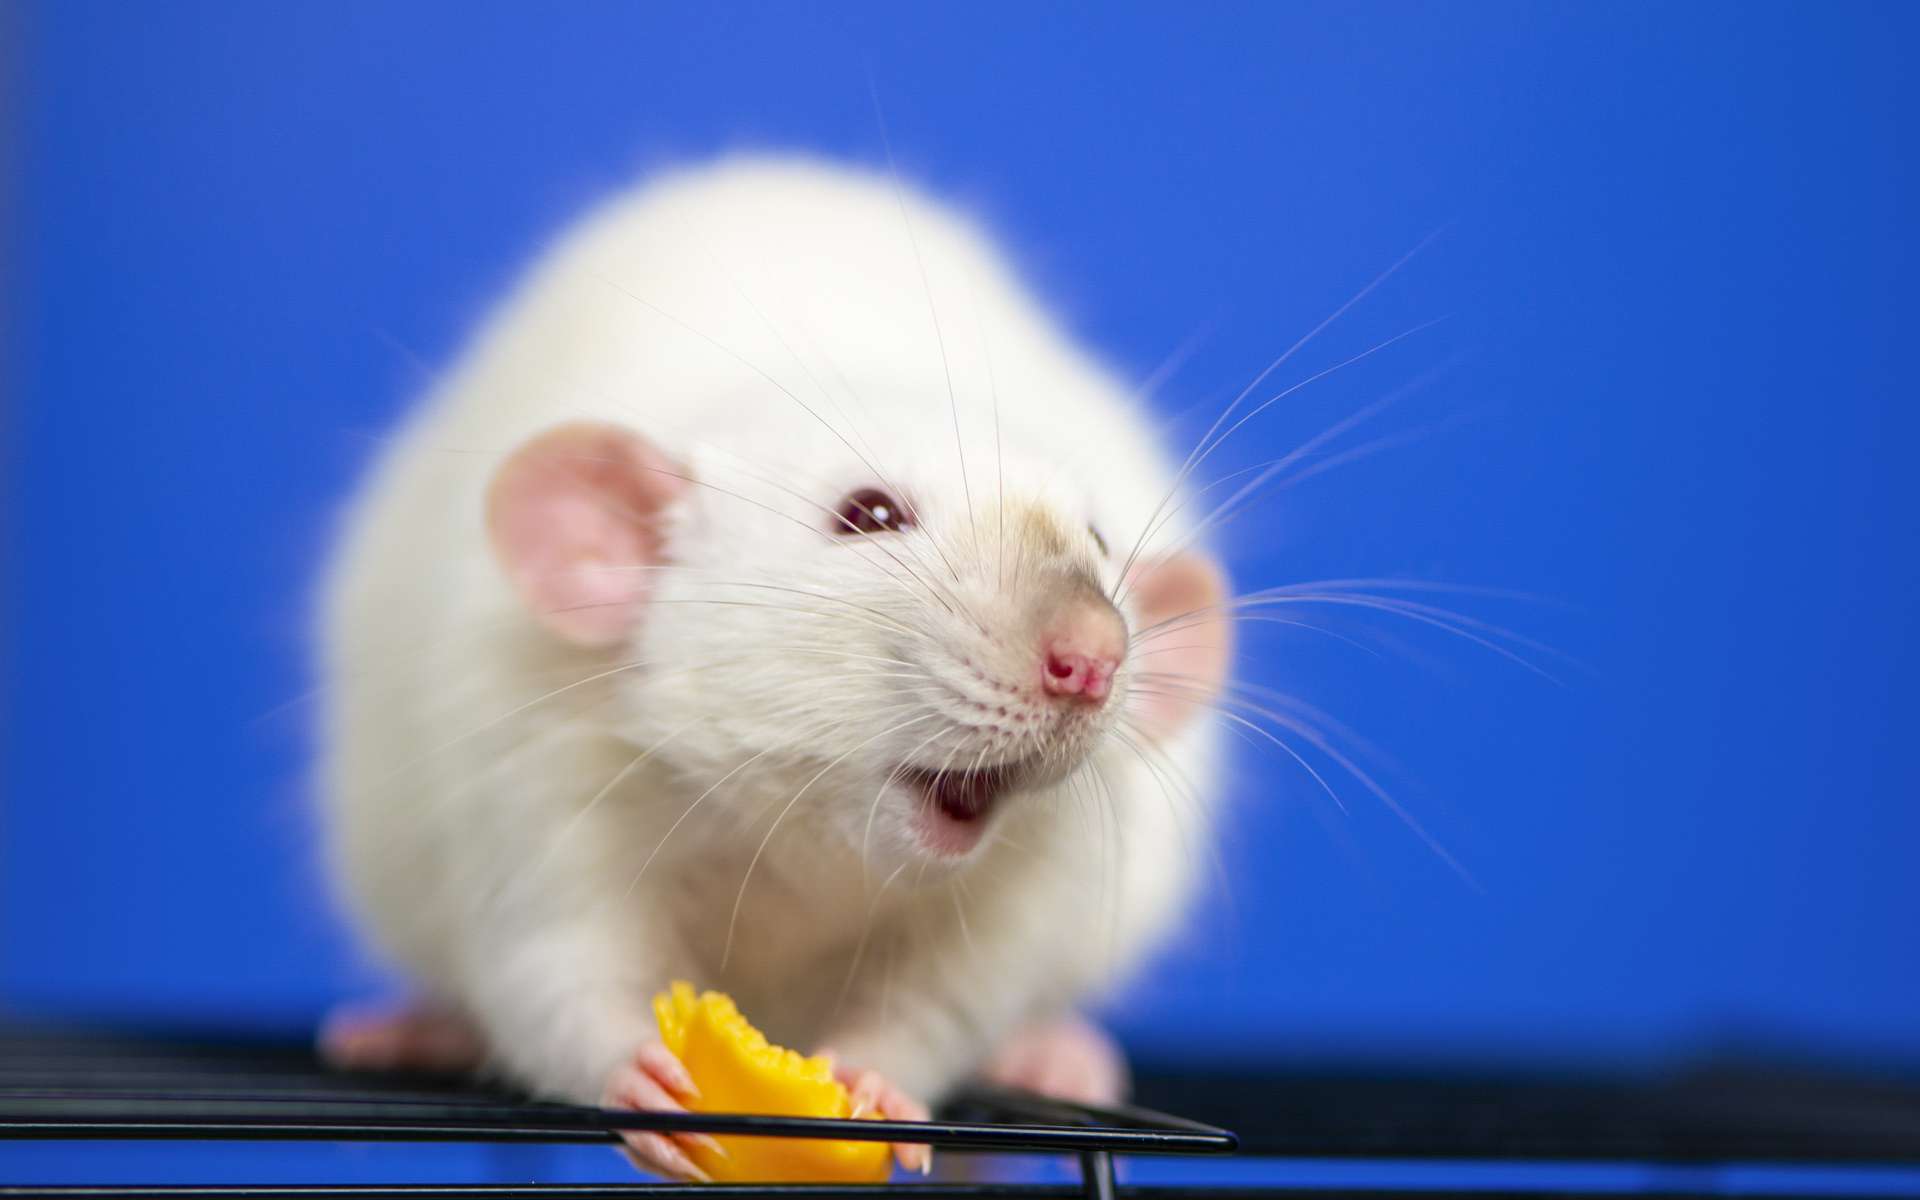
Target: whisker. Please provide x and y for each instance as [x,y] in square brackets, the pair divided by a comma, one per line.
[1134,737]
[740,896]
[1187,467]
[1458,624]
[752,366]
[825,534]
[1424,614]
[862,544]
[620,777]
[866,836]
[1320,743]
[415,761]
[688,811]
[1408,607]
[960,914]
[999,455]
[773,328]
[1389,583]
[1334,431]
[1176,359]
[1267,471]
[1113,843]
[1220,709]
[860,947]
[933,311]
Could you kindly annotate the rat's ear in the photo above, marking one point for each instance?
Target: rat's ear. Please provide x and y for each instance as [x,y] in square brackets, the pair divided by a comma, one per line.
[1187,637]
[573,517]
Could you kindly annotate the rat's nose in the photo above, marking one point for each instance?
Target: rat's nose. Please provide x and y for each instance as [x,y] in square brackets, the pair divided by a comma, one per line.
[1082,649]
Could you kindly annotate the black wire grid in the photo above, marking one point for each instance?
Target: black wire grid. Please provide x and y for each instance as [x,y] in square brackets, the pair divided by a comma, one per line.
[94,1087]
[98,1086]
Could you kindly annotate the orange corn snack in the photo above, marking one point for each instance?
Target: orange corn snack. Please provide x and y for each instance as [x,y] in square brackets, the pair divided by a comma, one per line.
[738,1071]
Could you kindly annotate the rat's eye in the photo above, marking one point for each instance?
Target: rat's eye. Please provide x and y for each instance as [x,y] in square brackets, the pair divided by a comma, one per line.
[871,510]
[1099,541]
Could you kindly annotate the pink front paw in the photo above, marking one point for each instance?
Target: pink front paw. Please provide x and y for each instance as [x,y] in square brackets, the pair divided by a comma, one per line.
[653,1080]
[419,1037]
[872,1094]
[1069,1059]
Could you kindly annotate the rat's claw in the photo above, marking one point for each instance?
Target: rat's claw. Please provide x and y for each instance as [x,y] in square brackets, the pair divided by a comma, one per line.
[652,1082]
[659,1062]
[655,1154]
[865,1090]
[871,1093]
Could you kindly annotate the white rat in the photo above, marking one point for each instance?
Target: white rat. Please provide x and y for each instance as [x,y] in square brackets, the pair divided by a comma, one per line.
[755,604]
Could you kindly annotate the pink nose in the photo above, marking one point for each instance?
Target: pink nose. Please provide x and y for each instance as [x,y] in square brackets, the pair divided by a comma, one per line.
[1070,674]
[1083,650]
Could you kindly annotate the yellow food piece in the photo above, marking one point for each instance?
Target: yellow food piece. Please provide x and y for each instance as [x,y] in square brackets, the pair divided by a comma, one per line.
[738,1071]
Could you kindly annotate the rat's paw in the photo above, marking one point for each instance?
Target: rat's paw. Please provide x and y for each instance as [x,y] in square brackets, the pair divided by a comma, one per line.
[416,1038]
[1069,1059]
[653,1080]
[873,1095]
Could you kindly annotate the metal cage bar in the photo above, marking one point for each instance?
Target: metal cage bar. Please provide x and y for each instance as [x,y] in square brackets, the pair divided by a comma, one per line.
[104,1086]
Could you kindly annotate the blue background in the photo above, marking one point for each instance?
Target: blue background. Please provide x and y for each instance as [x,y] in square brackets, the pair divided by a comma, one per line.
[1671,396]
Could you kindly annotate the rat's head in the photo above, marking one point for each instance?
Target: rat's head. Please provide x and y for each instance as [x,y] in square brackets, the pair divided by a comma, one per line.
[887,648]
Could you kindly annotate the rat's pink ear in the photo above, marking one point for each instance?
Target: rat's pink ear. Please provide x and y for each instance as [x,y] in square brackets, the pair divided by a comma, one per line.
[573,517]
[1184,640]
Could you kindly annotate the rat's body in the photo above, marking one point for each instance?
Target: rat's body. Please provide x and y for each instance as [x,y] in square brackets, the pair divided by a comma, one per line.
[593,689]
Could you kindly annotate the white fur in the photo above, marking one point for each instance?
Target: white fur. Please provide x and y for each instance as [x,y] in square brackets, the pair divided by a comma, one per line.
[487,799]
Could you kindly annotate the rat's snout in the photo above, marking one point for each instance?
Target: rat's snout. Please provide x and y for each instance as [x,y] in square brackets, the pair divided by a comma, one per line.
[1081,649]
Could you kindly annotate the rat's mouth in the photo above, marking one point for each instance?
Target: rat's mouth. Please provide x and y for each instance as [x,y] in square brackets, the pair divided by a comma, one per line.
[959,803]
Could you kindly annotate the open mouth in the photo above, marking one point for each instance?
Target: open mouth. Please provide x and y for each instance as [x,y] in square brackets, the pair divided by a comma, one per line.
[960,802]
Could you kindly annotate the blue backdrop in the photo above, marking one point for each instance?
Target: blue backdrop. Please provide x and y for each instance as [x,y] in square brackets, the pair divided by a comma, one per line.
[1670,396]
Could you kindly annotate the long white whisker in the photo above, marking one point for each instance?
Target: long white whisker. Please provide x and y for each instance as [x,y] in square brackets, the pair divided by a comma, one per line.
[1274,467]
[740,896]
[866,836]
[866,932]
[933,311]
[688,811]
[415,761]
[1201,447]
[751,366]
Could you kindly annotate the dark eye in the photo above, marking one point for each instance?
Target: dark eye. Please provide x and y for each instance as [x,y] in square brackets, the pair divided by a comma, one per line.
[1099,541]
[871,510]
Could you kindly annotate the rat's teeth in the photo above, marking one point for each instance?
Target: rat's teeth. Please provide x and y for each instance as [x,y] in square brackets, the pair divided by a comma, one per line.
[963,795]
